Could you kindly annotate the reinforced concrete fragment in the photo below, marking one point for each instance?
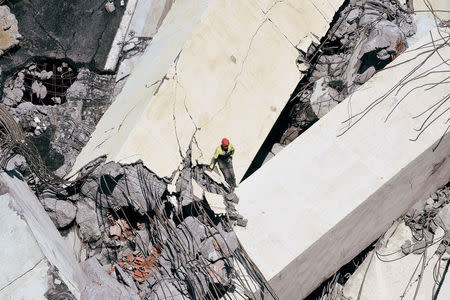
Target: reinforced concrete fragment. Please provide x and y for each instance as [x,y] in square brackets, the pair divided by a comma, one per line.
[214,69]
[343,181]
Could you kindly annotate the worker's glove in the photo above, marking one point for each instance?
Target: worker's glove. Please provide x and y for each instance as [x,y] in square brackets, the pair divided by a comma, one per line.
[211,166]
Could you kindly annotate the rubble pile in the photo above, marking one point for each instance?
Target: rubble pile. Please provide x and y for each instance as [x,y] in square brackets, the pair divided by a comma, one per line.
[424,223]
[58,107]
[156,236]
[366,36]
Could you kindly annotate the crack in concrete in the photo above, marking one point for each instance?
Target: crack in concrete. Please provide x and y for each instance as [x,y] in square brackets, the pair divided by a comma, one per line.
[20,276]
[279,30]
[239,74]
[126,116]
[320,12]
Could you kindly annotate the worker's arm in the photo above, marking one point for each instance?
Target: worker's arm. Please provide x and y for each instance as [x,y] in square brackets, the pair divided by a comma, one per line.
[214,159]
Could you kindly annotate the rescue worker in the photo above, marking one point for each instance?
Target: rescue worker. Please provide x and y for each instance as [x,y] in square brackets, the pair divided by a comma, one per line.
[224,156]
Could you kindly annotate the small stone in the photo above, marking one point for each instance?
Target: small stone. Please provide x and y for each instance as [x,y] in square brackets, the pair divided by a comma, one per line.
[242,222]
[128,47]
[232,197]
[352,15]
[16,162]
[115,230]
[110,7]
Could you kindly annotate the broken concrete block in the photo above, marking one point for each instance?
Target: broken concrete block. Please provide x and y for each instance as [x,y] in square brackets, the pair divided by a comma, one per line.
[87,222]
[65,213]
[219,245]
[442,219]
[197,190]
[9,32]
[384,36]
[110,7]
[195,228]
[102,285]
[232,197]
[115,230]
[368,148]
[32,248]
[179,115]
[362,78]
[216,202]
[171,188]
[15,162]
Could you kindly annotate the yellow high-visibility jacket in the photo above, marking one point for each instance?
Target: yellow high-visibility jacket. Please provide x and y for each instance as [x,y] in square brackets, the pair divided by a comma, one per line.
[221,153]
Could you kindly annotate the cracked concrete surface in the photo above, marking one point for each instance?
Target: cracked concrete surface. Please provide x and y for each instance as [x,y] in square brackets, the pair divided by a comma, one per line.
[228,73]
[348,187]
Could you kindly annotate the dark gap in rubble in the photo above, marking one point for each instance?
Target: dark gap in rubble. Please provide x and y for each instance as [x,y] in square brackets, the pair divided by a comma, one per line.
[51,158]
[108,184]
[274,136]
[128,213]
[341,276]
[285,120]
[362,39]
[47,80]
[370,59]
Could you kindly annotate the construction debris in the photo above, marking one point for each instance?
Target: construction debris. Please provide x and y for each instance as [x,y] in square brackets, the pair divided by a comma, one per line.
[143,236]
[9,31]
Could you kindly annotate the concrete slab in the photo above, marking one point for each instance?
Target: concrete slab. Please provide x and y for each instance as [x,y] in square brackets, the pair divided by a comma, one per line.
[32,247]
[214,69]
[36,263]
[145,22]
[334,194]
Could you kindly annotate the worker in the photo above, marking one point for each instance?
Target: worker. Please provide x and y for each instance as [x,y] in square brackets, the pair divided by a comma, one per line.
[224,156]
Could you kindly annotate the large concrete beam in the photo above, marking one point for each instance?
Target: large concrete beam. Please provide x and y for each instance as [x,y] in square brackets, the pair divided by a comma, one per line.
[34,255]
[35,261]
[331,192]
[214,69]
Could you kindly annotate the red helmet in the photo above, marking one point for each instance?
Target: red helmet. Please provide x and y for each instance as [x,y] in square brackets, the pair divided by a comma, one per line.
[225,142]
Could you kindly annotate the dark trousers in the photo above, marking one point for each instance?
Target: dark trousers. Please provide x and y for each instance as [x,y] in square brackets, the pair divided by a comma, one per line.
[226,167]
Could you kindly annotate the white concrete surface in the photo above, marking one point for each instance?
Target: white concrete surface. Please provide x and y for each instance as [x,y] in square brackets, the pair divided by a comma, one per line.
[117,44]
[435,9]
[326,196]
[392,275]
[214,69]
[31,244]
[145,22]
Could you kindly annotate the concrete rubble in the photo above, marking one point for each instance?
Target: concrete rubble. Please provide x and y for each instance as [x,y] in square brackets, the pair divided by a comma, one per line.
[41,266]
[122,203]
[9,31]
[395,164]
[181,91]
